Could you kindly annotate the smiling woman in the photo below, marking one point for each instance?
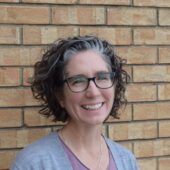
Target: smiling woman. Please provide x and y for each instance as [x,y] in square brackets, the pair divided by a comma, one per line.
[80,81]
[85,102]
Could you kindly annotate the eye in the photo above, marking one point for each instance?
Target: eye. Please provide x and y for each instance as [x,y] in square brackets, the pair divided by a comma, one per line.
[103,76]
[77,80]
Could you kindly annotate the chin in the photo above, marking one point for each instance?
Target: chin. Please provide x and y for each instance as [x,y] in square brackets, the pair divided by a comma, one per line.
[95,121]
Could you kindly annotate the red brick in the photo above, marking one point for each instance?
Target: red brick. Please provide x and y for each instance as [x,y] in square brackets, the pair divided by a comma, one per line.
[9,35]
[125,114]
[128,69]
[164,91]
[149,164]
[164,128]
[9,0]
[51,1]
[16,97]
[157,3]
[117,36]
[10,118]
[151,73]
[141,92]
[151,148]
[6,158]
[24,14]
[78,15]
[27,76]
[164,163]
[138,55]
[128,145]
[21,138]
[164,55]
[152,36]
[106,2]
[47,35]
[25,137]
[33,118]
[164,17]
[126,131]
[9,76]
[131,16]
[149,111]
[19,56]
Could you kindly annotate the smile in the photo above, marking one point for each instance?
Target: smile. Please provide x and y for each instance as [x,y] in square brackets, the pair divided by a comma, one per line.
[93,107]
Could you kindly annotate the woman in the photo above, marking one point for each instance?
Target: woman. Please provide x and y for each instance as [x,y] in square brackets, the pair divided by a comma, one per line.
[81,82]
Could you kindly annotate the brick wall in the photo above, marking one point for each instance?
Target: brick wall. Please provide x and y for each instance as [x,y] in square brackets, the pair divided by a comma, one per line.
[141,33]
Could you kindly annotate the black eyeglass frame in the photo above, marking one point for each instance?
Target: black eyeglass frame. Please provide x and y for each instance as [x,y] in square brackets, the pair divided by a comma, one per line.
[112,75]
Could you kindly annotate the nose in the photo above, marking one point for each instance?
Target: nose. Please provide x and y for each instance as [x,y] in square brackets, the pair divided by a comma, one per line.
[92,90]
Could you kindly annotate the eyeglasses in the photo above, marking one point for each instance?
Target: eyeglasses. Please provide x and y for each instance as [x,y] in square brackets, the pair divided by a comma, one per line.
[80,83]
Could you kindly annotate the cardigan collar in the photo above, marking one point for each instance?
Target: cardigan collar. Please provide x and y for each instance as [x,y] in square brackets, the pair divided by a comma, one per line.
[65,163]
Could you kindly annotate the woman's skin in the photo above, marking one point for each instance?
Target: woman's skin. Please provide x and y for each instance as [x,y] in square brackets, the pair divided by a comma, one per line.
[87,110]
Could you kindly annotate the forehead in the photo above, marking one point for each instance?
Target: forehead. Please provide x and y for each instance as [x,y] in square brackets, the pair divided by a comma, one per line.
[86,62]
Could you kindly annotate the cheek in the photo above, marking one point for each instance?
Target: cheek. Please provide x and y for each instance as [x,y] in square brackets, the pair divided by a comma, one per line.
[70,99]
[111,93]
[110,97]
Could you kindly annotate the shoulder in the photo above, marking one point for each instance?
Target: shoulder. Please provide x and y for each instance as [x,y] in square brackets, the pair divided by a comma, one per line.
[33,154]
[122,155]
[39,147]
[121,150]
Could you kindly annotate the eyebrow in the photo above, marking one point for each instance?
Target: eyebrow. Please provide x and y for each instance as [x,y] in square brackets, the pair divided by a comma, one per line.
[67,75]
[76,75]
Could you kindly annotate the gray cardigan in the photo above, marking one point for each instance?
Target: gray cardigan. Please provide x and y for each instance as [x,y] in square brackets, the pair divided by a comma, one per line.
[48,154]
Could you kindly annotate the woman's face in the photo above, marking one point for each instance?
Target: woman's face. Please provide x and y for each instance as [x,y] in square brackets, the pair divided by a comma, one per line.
[92,106]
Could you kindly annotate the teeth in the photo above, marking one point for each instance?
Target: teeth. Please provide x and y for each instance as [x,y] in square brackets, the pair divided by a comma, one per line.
[92,107]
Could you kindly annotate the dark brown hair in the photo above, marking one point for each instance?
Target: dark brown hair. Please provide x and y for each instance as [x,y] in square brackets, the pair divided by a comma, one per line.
[49,73]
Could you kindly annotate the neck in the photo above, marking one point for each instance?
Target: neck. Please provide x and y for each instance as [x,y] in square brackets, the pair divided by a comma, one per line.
[85,142]
[82,136]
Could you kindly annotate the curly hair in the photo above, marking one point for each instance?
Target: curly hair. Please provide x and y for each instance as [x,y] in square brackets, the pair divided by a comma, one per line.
[49,73]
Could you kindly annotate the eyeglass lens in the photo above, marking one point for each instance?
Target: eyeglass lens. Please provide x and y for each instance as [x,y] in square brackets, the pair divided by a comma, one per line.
[80,83]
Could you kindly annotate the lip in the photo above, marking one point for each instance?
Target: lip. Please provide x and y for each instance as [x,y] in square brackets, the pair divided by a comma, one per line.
[92,106]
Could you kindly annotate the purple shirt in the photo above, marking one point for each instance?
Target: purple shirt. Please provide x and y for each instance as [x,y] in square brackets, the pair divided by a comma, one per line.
[77,164]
